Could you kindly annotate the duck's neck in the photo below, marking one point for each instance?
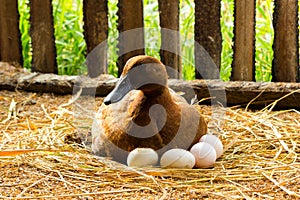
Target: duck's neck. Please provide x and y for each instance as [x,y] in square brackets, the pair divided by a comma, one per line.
[164,99]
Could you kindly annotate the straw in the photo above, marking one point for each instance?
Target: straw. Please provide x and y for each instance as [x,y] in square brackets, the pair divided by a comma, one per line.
[40,160]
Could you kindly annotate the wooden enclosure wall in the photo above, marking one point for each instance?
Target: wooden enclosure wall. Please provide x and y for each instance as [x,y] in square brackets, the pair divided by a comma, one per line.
[208,35]
[170,41]
[42,36]
[243,67]
[95,32]
[208,40]
[10,38]
[131,43]
[286,44]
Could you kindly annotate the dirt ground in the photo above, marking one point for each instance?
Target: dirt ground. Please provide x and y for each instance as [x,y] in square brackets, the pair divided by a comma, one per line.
[261,159]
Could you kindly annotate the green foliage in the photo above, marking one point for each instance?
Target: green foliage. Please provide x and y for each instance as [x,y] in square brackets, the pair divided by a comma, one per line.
[24,29]
[264,40]
[69,40]
[227,35]
[152,29]
[187,21]
[70,43]
[71,47]
[112,37]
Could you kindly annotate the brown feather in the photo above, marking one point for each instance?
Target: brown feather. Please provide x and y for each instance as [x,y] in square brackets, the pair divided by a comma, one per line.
[152,117]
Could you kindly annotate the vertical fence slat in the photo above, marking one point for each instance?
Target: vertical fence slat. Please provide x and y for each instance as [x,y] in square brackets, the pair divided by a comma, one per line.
[131,43]
[10,37]
[42,35]
[96,32]
[286,61]
[170,37]
[243,68]
[208,35]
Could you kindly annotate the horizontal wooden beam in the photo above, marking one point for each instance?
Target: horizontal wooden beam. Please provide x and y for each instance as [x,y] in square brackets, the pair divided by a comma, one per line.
[260,94]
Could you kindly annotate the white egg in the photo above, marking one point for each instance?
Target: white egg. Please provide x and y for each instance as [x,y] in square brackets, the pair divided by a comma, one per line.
[141,157]
[204,153]
[177,158]
[215,142]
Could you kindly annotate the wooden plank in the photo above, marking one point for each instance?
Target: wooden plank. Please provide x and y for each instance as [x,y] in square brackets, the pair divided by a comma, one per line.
[131,32]
[208,39]
[12,78]
[95,16]
[243,68]
[42,36]
[10,37]
[237,92]
[286,45]
[170,37]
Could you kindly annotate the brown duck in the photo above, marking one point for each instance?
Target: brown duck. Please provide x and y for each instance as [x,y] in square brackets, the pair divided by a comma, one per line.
[142,111]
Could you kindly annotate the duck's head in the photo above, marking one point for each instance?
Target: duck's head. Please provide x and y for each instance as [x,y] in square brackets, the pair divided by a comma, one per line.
[143,73]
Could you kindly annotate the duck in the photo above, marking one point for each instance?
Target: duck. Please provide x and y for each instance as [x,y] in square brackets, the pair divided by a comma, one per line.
[143,112]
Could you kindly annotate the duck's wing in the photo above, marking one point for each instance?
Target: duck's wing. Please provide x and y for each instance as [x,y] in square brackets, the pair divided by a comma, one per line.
[190,129]
[112,121]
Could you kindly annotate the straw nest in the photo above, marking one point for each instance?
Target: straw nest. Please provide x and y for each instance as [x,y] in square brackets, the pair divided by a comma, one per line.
[261,160]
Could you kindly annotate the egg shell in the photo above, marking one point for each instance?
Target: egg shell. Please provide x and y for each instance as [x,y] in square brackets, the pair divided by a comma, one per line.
[215,142]
[142,157]
[204,153]
[177,158]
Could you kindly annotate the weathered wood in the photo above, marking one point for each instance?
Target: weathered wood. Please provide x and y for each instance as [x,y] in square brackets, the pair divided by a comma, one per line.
[10,37]
[12,78]
[243,68]
[42,36]
[286,45]
[96,32]
[232,93]
[170,37]
[208,39]
[131,32]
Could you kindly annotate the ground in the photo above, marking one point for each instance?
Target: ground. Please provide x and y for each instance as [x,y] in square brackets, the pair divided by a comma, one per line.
[261,159]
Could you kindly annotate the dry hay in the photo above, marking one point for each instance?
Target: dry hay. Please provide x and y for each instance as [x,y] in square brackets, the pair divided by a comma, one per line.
[261,159]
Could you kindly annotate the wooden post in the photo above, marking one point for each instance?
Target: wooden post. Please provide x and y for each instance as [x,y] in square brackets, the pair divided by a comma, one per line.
[286,46]
[243,68]
[10,37]
[131,32]
[95,32]
[42,35]
[170,37]
[208,39]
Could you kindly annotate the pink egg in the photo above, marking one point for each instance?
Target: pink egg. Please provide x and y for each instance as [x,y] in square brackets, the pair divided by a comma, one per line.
[205,154]
[215,142]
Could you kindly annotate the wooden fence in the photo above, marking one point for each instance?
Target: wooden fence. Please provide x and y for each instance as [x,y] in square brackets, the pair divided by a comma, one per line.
[285,66]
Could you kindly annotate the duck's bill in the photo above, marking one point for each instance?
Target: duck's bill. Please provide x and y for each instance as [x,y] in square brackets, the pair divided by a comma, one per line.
[122,88]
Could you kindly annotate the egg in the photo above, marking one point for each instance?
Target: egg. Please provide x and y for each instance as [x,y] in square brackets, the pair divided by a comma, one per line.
[215,142]
[204,153]
[177,158]
[142,157]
